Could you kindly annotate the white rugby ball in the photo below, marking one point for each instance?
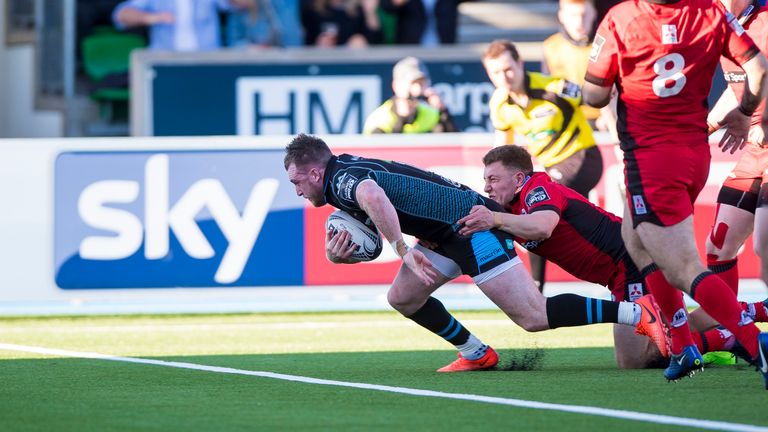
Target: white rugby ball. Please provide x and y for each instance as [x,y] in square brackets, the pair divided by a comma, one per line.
[369,240]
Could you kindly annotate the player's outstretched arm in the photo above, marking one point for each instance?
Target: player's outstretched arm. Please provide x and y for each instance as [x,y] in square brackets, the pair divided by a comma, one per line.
[379,208]
[534,226]
[738,120]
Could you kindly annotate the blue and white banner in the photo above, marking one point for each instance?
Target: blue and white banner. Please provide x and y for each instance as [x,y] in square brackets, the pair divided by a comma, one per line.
[193,219]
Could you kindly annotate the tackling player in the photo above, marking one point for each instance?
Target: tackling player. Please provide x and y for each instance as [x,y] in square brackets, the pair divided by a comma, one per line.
[661,55]
[399,198]
[557,223]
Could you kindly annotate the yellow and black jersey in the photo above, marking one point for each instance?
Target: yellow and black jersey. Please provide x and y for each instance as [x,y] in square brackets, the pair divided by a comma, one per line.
[552,122]
[568,59]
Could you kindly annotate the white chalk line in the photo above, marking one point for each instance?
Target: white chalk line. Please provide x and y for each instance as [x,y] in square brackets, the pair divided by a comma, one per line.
[576,409]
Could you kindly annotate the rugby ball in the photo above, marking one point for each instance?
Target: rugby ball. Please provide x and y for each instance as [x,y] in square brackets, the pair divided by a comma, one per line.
[368,239]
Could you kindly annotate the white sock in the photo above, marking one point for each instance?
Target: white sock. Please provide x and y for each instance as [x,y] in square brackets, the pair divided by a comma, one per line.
[473,348]
[629,313]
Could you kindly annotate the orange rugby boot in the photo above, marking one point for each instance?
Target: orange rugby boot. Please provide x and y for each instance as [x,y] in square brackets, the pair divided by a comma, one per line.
[652,325]
[487,361]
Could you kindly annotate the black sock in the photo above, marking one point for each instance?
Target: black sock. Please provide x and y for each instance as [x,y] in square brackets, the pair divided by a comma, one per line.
[571,310]
[434,317]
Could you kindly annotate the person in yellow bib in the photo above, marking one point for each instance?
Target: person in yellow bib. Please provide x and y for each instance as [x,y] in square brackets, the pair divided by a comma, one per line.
[545,111]
[414,108]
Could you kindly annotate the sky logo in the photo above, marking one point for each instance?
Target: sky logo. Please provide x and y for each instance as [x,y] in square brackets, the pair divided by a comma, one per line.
[138,219]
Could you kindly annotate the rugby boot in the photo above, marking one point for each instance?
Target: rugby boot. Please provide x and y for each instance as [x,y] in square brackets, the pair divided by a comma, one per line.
[687,363]
[487,361]
[652,325]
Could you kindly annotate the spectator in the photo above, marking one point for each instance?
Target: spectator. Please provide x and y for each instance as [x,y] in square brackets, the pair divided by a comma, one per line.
[566,53]
[176,25]
[424,22]
[353,23]
[267,23]
[414,107]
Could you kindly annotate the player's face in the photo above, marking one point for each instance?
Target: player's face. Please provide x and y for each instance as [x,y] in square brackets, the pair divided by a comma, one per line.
[577,20]
[505,73]
[502,183]
[308,183]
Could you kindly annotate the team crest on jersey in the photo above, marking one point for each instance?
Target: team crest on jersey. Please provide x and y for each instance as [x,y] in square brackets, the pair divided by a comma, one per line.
[668,34]
[536,195]
[639,204]
[344,185]
[597,46]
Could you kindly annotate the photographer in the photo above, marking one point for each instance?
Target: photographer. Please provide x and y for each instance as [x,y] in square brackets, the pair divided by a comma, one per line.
[414,107]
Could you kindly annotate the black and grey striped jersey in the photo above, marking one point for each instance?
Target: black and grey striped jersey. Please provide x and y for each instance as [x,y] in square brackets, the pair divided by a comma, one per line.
[427,204]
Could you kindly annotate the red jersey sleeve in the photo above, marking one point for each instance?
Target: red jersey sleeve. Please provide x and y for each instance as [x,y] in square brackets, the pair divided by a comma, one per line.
[738,46]
[603,65]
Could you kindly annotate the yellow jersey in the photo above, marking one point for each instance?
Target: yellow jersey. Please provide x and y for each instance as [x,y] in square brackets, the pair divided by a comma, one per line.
[567,59]
[552,122]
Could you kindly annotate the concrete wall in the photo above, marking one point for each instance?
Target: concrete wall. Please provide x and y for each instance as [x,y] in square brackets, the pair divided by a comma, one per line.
[18,118]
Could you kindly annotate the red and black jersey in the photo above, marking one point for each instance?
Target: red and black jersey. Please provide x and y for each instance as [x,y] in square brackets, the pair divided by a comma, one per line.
[757,29]
[586,242]
[662,58]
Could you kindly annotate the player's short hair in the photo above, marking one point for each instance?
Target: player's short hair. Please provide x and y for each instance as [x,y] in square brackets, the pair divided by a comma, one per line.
[499,47]
[306,150]
[511,156]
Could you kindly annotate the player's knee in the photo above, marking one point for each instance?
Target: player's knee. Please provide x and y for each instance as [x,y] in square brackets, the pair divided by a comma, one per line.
[400,303]
[533,324]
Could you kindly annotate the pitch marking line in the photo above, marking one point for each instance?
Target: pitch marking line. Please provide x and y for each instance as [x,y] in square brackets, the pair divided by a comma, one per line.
[577,409]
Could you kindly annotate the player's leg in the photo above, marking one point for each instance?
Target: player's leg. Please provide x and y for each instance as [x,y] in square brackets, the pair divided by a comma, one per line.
[515,293]
[634,351]
[760,240]
[409,296]
[673,248]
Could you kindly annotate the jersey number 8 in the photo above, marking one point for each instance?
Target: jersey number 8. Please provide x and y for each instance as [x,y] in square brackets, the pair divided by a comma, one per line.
[666,74]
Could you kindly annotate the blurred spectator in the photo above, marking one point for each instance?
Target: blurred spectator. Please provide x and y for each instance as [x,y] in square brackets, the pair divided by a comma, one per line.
[176,25]
[414,107]
[566,53]
[329,23]
[424,22]
[267,23]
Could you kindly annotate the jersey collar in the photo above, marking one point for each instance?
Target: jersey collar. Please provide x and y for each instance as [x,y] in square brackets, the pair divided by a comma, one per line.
[329,168]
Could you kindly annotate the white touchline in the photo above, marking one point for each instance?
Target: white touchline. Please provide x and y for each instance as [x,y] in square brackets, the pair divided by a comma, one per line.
[578,409]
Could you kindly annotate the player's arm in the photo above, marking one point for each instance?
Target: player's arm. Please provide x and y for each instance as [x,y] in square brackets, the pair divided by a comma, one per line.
[533,226]
[595,95]
[375,203]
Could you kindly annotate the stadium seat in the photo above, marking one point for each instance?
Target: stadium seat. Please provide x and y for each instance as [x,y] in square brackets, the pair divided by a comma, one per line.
[106,61]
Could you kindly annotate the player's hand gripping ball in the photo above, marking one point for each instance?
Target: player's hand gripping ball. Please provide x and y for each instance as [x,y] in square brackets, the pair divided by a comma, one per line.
[369,240]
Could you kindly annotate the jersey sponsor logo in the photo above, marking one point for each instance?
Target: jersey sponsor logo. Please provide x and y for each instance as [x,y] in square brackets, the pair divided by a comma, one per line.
[597,46]
[635,291]
[734,77]
[537,195]
[531,244]
[734,23]
[571,89]
[668,34]
[543,112]
[639,205]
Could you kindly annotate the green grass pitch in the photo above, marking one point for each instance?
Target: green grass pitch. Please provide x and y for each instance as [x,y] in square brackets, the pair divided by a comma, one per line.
[40,392]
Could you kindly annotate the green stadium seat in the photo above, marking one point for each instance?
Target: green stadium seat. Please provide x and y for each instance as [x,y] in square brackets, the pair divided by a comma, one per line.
[107,55]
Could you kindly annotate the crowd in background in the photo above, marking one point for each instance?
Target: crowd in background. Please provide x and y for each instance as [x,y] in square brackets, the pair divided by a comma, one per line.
[197,25]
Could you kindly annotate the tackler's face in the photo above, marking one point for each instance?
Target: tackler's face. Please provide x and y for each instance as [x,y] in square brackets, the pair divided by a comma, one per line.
[501,182]
[308,183]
